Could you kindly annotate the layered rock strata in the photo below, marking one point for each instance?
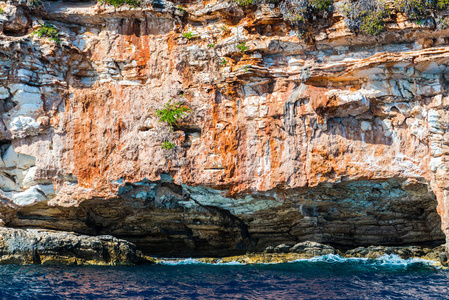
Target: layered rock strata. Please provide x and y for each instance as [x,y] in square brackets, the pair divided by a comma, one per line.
[33,246]
[341,139]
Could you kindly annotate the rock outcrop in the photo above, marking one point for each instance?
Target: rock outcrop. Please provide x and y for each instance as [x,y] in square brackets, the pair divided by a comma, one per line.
[33,246]
[340,138]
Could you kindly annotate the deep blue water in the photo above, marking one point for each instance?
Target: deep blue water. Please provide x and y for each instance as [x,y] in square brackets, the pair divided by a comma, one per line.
[328,277]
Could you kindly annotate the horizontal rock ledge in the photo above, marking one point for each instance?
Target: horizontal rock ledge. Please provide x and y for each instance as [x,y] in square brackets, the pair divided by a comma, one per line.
[47,247]
[35,246]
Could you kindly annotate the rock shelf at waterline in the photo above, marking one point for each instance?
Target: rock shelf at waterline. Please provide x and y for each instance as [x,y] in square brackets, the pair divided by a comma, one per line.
[33,246]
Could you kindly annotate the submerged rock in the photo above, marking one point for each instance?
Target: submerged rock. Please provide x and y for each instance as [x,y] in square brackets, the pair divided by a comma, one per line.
[35,246]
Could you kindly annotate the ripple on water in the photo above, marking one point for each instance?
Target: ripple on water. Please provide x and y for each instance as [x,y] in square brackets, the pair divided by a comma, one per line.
[327,277]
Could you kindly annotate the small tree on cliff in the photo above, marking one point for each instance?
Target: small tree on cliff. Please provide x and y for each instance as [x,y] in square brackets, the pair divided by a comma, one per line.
[171,113]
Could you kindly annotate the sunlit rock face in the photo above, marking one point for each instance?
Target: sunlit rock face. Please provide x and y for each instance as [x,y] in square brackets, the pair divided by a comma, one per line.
[340,140]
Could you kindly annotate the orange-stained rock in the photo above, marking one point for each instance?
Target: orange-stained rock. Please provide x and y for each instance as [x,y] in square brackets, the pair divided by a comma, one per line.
[341,141]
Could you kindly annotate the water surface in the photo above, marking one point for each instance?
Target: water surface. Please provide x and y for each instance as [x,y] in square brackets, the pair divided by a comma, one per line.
[327,277]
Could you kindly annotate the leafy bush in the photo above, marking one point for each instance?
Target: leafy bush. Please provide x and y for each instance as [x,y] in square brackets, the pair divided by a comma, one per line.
[171,113]
[302,11]
[181,9]
[243,3]
[442,4]
[48,30]
[366,16]
[118,3]
[417,9]
[2,11]
[442,23]
[168,145]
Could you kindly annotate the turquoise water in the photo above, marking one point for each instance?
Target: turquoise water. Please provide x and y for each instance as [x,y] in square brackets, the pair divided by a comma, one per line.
[328,277]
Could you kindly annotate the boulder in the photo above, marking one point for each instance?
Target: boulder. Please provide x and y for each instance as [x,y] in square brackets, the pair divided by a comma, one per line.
[35,246]
[312,248]
[283,248]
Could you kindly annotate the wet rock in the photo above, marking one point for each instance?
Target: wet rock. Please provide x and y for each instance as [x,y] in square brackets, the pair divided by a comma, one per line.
[283,248]
[434,253]
[378,251]
[444,259]
[269,249]
[312,248]
[34,246]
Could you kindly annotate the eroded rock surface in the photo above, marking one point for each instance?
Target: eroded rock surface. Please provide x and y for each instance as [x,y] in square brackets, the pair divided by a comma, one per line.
[339,139]
[34,246]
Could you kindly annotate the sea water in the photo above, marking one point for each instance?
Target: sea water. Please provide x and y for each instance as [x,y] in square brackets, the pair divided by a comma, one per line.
[325,277]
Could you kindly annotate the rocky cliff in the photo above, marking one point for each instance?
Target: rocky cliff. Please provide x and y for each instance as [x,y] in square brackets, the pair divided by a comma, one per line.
[333,136]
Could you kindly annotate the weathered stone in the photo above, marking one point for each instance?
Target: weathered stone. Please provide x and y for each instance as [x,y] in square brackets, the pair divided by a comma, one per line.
[283,248]
[34,246]
[15,21]
[312,248]
[378,251]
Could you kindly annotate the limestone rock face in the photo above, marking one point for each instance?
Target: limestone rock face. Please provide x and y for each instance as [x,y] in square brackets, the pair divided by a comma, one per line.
[339,138]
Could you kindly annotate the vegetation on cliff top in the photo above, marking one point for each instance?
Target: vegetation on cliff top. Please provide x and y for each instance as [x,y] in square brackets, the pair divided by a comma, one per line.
[370,16]
[363,16]
[416,9]
[303,14]
[366,16]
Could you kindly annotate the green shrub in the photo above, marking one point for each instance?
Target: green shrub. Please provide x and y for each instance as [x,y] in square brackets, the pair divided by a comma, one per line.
[418,9]
[224,62]
[2,11]
[168,145]
[48,30]
[211,45]
[243,3]
[189,35]
[442,4]
[181,9]
[118,3]
[302,11]
[366,16]
[442,23]
[171,113]
[242,47]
